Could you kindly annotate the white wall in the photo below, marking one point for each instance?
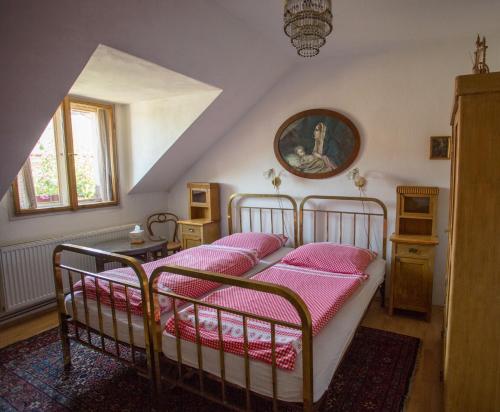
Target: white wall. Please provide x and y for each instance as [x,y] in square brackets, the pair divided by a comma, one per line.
[132,208]
[156,124]
[397,100]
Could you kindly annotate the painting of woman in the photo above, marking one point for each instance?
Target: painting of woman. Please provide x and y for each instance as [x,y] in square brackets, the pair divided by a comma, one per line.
[316,144]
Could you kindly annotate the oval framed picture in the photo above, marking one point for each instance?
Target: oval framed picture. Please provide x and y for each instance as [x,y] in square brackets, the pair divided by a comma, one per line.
[317,143]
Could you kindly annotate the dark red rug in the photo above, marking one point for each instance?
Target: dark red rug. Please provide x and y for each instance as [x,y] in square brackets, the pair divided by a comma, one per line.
[374,376]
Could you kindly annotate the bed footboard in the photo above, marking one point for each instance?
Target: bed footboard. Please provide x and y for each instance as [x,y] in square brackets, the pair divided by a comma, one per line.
[183,373]
[95,336]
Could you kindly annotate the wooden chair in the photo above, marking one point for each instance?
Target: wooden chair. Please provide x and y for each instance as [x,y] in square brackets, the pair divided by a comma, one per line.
[165,218]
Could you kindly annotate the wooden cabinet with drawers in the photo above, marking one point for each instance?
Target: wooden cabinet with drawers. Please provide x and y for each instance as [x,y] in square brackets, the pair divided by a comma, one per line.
[196,232]
[203,225]
[413,247]
[412,274]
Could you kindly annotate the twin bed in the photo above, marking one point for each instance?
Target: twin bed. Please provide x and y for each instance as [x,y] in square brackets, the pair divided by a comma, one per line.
[283,334]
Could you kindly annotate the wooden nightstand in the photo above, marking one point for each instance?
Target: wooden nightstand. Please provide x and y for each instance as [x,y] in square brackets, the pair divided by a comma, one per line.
[413,249]
[196,232]
[203,225]
[412,273]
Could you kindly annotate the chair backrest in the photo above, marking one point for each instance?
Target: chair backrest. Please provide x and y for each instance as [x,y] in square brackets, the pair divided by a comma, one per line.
[162,218]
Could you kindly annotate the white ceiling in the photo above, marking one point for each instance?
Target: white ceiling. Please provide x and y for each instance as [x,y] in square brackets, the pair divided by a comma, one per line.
[119,77]
[371,26]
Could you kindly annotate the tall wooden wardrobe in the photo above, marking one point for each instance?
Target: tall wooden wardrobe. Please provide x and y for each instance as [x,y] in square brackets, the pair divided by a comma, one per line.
[472,315]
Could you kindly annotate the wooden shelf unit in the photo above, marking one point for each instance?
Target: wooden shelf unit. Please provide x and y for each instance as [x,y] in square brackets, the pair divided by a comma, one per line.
[203,225]
[413,249]
[204,201]
[416,210]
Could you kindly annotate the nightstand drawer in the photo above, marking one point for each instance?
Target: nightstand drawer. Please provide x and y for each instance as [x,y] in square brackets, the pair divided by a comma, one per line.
[404,249]
[193,230]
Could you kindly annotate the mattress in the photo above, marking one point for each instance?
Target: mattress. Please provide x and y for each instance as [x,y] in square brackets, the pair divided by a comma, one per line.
[138,321]
[329,347]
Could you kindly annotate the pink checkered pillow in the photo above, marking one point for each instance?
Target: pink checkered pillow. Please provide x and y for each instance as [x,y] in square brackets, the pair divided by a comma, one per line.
[331,257]
[264,243]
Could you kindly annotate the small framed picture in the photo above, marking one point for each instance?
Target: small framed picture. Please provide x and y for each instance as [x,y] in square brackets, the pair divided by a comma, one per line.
[440,147]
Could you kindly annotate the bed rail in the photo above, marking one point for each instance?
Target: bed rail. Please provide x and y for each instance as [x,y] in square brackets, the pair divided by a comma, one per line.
[157,328]
[261,216]
[82,331]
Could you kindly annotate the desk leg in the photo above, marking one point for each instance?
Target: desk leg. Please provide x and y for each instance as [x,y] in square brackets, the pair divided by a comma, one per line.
[164,250]
[99,264]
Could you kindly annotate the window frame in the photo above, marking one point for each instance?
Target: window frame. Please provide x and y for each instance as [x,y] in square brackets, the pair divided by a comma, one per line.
[70,162]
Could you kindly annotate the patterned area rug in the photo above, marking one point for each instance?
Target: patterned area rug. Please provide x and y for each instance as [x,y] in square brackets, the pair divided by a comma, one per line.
[374,376]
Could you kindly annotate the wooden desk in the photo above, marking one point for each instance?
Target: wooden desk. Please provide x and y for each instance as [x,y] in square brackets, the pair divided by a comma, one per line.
[146,251]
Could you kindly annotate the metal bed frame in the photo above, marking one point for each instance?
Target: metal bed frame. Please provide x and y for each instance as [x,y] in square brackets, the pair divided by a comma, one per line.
[156,362]
[184,372]
[128,352]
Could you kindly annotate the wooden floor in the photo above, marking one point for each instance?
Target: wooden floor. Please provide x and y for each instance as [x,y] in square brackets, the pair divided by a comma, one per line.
[32,326]
[425,390]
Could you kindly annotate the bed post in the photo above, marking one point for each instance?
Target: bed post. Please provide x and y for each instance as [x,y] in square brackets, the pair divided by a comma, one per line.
[156,336]
[307,364]
[147,314]
[61,311]
[382,294]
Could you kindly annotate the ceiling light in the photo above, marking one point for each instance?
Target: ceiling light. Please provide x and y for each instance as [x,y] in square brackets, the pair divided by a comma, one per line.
[307,23]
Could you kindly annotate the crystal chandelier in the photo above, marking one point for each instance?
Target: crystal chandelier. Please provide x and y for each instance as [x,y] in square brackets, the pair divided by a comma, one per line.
[307,23]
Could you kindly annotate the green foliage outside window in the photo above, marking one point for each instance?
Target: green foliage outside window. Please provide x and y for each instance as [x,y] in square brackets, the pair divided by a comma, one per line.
[85,183]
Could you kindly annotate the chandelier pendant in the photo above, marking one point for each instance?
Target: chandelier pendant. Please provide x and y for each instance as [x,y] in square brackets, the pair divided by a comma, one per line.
[308,23]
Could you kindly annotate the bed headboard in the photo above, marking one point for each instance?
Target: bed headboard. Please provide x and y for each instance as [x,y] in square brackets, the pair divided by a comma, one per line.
[343,219]
[268,213]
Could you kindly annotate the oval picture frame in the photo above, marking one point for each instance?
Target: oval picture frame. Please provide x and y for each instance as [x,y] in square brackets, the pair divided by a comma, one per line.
[317,143]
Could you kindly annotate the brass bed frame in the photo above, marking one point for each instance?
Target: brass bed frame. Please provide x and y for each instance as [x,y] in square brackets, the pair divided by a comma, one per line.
[184,372]
[158,367]
[73,328]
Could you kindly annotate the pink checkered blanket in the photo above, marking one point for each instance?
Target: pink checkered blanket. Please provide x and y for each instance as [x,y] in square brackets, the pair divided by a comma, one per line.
[211,258]
[324,293]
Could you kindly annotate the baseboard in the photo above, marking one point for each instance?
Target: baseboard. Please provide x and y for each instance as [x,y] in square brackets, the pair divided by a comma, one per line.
[9,319]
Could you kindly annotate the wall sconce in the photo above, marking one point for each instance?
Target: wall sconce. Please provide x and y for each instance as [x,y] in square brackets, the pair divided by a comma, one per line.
[354,175]
[275,177]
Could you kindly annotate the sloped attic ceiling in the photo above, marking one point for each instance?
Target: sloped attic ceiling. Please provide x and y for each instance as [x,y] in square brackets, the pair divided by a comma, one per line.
[45,46]
[118,77]
[162,104]
[235,45]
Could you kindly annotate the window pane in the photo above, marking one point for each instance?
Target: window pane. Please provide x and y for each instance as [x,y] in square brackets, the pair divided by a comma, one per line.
[91,143]
[42,182]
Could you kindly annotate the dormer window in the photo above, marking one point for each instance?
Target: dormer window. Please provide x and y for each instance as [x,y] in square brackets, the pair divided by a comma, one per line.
[73,164]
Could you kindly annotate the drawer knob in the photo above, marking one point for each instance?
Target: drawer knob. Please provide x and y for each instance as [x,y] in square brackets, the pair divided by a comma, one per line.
[191,230]
[413,250]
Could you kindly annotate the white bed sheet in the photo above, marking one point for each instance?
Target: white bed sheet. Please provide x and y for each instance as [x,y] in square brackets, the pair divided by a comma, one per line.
[329,347]
[137,321]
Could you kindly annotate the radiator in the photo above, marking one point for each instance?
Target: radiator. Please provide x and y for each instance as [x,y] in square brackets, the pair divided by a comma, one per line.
[27,277]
